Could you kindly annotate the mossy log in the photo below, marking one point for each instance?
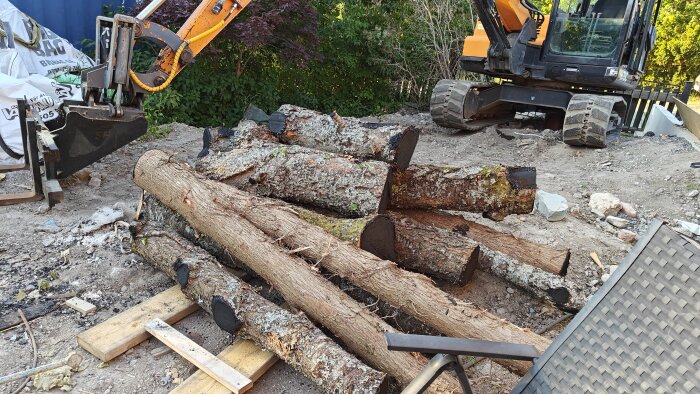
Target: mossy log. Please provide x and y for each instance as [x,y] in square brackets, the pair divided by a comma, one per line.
[303,176]
[496,191]
[234,304]
[390,143]
[411,244]
[231,216]
[543,257]
[214,209]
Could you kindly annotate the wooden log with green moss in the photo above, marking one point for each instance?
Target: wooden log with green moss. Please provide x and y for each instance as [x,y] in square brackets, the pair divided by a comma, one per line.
[411,244]
[303,176]
[496,190]
[391,143]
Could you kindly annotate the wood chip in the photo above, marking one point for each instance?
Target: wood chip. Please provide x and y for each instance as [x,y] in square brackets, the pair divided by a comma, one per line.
[595,258]
[81,305]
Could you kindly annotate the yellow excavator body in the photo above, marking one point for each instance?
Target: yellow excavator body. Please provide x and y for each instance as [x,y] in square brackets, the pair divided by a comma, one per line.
[477,45]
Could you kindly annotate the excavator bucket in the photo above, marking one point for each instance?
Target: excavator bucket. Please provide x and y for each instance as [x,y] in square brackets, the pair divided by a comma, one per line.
[88,134]
[91,133]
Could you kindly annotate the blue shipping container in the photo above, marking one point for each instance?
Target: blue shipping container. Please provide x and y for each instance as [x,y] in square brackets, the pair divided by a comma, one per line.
[73,20]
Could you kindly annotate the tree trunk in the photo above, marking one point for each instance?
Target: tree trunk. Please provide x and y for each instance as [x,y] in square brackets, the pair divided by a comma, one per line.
[546,258]
[154,210]
[292,337]
[412,245]
[212,209]
[304,176]
[496,191]
[217,210]
[347,136]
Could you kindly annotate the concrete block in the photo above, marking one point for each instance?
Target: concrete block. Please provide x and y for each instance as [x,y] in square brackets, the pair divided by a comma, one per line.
[661,121]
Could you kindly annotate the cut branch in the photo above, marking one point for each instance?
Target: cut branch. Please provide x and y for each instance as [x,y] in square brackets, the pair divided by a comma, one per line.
[347,136]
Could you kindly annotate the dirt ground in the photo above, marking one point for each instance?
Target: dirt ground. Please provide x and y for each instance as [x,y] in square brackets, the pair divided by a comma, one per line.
[652,173]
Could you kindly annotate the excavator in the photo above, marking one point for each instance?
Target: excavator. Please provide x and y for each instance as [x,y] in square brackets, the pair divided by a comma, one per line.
[576,66]
[110,114]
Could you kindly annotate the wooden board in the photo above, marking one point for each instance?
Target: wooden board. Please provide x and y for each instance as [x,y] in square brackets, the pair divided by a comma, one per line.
[81,305]
[243,355]
[121,332]
[691,118]
[200,357]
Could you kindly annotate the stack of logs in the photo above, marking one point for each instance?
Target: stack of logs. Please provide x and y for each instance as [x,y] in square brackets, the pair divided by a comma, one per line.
[370,219]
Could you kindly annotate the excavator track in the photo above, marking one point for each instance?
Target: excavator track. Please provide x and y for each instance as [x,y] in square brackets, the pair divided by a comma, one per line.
[590,118]
[453,104]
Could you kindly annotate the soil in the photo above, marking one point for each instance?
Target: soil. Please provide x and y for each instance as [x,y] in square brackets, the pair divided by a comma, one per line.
[651,173]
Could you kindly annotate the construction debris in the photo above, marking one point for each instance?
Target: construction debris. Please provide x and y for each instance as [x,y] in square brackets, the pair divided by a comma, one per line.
[80,305]
[604,204]
[552,206]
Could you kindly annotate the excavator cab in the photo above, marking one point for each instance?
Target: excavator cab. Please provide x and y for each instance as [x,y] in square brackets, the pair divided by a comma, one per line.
[576,65]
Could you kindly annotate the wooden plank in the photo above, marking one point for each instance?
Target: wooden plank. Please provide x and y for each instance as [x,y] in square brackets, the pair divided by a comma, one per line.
[691,118]
[121,332]
[200,357]
[81,305]
[243,355]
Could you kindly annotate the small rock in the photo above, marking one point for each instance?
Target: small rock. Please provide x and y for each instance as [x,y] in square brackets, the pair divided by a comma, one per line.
[694,228]
[627,236]
[501,311]
[659,191]
[617,222]
[49,226]
[628,209]
[510,290]
[42,209]
[690,214]
[47,241]
[604,278]
[612,269]
[95,180]
[693,193]
[33,294]
[604,204]
[552,206]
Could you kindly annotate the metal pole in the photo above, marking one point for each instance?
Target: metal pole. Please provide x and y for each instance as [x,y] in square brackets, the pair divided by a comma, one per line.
[73,361]
[150,9]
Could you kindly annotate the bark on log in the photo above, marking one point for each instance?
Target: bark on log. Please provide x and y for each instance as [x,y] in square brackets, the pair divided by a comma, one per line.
[233,304]
[211,209]
[303,176]
[347,136]
[411,244]
[247,132]
[155,211]
[444,229]
[546,258]
[496,191]
[542,284]
[218,209]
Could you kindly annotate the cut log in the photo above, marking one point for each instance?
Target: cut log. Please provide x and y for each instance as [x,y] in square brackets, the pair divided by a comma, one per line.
[303,176]
[437,234]
[546,258]
[155,211]
[544,285]
[247,131]
[292,337]
[218,210]
[390,143]
[412,245]
[210,207]
[496,191]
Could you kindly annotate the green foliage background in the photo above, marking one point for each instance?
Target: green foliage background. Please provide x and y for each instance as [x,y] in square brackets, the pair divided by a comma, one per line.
[374,57]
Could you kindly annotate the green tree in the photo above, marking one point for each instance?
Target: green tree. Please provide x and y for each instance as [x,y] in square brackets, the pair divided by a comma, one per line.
[676,56]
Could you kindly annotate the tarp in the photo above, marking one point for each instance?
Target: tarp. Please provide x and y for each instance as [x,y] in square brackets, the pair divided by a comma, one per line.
[28,72]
